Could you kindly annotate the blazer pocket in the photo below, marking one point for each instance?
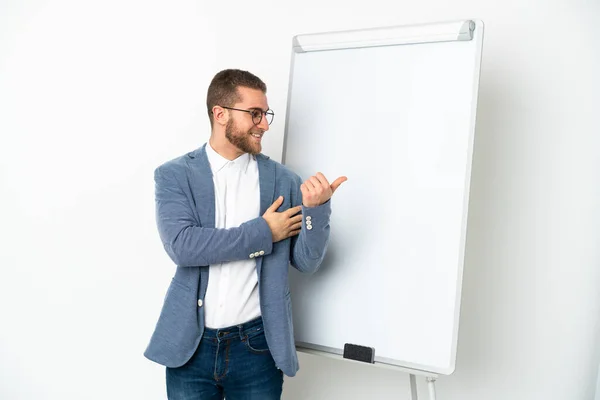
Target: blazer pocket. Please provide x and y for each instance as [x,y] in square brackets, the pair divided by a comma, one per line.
[180,285]
[177,287]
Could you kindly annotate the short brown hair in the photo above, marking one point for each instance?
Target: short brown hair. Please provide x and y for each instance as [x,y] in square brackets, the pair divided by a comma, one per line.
[222,90]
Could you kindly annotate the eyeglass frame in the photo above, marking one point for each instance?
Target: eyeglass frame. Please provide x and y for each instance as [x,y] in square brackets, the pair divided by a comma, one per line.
[255,109]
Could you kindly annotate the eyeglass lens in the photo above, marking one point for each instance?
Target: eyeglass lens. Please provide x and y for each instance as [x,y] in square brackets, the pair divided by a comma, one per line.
[257,116]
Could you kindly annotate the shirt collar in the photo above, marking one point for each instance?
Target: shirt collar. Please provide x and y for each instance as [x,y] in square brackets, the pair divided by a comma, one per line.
[218,162]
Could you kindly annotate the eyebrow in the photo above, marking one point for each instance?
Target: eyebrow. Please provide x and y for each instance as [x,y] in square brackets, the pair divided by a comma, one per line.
[258,108]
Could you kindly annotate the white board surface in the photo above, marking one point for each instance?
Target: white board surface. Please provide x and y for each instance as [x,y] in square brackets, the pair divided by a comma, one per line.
[398,120]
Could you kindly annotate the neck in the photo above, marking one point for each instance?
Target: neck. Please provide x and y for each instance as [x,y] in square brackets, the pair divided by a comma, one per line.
[224,147]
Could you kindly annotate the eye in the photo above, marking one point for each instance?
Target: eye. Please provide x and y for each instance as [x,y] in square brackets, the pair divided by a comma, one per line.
[256,114]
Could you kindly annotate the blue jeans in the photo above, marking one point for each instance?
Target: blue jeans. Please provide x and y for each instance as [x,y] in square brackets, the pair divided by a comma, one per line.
[232,362]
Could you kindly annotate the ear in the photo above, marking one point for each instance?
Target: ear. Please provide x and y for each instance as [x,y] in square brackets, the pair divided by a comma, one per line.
[220,115]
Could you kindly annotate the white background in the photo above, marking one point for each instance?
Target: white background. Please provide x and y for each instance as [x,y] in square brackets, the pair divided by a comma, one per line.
[94,95]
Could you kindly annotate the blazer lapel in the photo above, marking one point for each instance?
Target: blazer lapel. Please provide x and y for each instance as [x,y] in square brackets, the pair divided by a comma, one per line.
[201,182]
[266,178]
[266,181]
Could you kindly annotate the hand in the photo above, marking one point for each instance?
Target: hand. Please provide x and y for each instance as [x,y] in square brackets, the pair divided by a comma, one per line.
[316,190]
[283,224]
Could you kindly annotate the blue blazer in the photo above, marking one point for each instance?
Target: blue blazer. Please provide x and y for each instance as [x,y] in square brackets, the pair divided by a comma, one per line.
[185,215]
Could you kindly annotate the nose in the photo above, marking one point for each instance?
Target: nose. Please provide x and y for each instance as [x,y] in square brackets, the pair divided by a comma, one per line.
[264,125]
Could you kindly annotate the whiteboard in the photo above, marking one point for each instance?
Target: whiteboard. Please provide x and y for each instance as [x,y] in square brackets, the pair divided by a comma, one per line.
[394,110]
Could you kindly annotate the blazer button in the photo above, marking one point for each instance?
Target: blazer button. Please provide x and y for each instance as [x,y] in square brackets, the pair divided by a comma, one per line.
[308,218]
[309,227]
[199,302]
[257,254]
[251,255]
[261,253]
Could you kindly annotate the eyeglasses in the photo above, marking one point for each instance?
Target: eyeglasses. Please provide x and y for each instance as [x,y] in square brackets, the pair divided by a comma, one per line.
[257,114]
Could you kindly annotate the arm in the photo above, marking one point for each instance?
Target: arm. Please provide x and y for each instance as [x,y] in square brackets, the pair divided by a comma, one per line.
[309,247]
[188,244]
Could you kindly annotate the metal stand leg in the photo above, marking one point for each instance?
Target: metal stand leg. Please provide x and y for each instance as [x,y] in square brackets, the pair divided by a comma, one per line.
[431,386]
[413,387]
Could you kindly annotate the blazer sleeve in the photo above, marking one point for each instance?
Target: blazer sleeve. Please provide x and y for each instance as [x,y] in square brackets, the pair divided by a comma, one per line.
[188,244]
[309,247]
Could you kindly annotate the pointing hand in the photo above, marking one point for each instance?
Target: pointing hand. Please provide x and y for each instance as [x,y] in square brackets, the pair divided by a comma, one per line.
[316,190]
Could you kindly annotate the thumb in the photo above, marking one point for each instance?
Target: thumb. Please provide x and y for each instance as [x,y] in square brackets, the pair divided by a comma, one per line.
[338,182]
[273,207]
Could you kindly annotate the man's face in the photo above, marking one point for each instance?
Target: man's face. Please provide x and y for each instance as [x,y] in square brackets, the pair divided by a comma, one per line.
[240,129]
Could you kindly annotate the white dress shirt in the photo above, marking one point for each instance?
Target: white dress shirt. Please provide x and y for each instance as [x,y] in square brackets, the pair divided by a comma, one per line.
[232,292]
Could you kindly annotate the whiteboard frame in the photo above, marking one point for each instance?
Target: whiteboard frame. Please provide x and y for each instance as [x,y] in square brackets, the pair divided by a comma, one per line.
[467,29]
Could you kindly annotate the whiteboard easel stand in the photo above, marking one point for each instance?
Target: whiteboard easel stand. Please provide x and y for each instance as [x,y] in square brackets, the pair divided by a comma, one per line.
[413,373]
[431,385]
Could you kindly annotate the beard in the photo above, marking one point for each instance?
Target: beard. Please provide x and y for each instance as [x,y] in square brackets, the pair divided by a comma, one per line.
[241,140]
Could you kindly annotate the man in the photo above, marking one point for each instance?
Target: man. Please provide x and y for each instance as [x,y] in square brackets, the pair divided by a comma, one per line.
[233,220]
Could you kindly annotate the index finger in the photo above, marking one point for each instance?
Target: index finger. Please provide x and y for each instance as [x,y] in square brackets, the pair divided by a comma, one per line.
[322,179]
[293,210]
[273,207]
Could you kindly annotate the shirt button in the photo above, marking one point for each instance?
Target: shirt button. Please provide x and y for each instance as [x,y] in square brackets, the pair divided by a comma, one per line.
[199,302]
